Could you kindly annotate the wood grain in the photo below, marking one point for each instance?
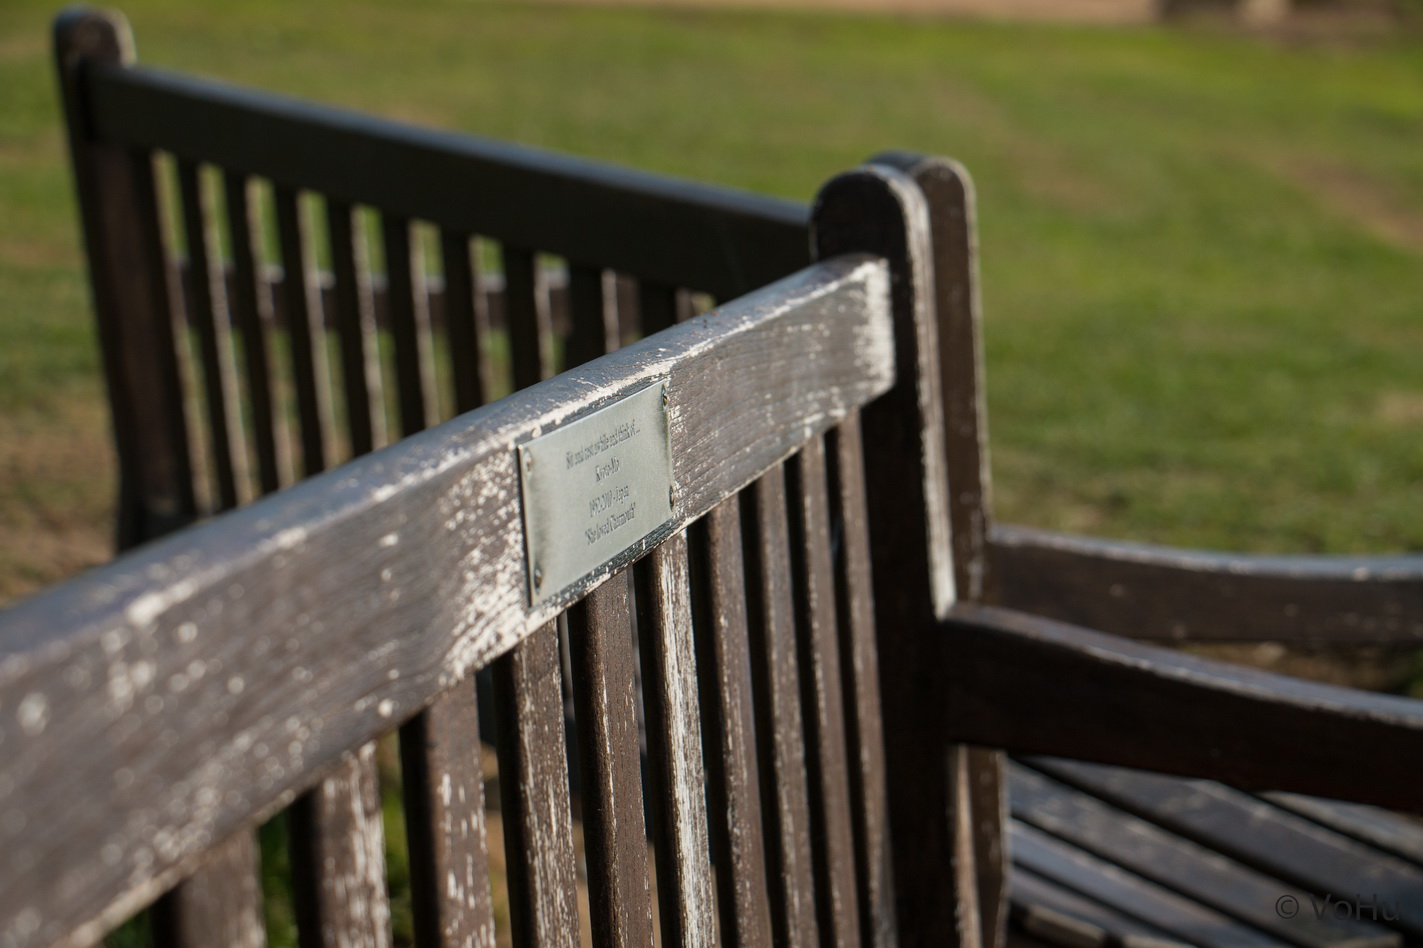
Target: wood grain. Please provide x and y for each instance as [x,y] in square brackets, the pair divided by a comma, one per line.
[1165,594]
[409,560]
[728,727]
[355,329]
[614,834]
[674,747]
[880,210]
[1030,684]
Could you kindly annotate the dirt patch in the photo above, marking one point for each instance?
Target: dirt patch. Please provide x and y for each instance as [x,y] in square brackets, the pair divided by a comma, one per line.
[1367,202]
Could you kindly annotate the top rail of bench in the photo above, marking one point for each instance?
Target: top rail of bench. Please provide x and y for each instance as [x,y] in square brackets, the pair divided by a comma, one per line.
[205,679]
[668,230]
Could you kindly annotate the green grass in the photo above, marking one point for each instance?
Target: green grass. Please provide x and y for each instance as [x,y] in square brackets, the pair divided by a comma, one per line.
[1200,251]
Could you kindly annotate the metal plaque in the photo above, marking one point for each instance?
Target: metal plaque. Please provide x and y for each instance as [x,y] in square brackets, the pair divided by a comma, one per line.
[594,489]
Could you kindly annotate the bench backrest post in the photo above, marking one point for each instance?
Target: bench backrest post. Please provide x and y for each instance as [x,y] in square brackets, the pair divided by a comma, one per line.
[134,291]
[949,192]
[880,210]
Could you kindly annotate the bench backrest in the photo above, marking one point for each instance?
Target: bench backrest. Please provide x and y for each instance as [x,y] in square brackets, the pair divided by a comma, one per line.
[216,676]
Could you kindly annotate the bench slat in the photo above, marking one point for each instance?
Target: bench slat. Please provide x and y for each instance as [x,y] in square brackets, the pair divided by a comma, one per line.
[310,376]
[678,233]
[780,727]
[220,904]
[355,328]
[854,603]
[674,746]
[818,630]
[1065,909]
[733,780]
[252,315]
[1130,894]
[466,322]
[208,313]
[1248,829]
[1387,831]
[533,785]
[530,330]
[1172,861]
[614,834]
[443,790]
[408,561]
[338,858]
[409,324]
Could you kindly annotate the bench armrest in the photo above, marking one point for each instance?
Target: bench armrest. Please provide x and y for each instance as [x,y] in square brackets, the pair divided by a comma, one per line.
[1029,684]
[1168,594]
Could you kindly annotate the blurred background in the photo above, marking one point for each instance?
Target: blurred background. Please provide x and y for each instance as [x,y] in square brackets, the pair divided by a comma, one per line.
[1201,222]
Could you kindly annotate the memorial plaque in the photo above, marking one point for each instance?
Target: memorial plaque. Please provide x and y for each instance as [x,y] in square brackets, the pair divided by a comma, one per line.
[594,489]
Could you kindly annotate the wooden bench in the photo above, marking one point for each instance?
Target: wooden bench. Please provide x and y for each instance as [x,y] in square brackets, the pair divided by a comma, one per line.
[812,616]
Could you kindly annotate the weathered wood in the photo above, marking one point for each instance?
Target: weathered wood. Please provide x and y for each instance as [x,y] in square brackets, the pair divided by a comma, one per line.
[670,231]
[879,210]
[1249,830]
[466,322]
[1030,684]
[443,789]
[530,331]
[1389,832]
[538,830]
[252,315]
[1159,593]
[1195,871]
[310,375]
[355,328]
[409,325]
[674,746]
[614,834]
[948,191]
[338,858]
[1056,912]
[785,796]
[410,561]
[1126,892]
[221,905]
[207,313]
[132,291]
[593,315]
[818,630]
[859,659]
[728,728]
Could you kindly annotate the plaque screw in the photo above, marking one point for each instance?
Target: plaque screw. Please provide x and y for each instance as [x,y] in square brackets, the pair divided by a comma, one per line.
[672,496]
[666,397]
[538,577]
[528,461]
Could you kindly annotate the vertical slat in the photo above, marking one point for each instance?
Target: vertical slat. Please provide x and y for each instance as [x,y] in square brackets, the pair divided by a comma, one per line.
[614,835]
[674,746]
[133,296]
[338,859]
[879,210]
[466,322]
[527,318]
[859,662]
[356,329]
[208,314]
[657,307]
[818,628]
[220,905]
[443,790]
[948,190]
[733,781]
[303,311]
[592,305]
[785,798]
[409,324]
[533,784]
[252,314]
